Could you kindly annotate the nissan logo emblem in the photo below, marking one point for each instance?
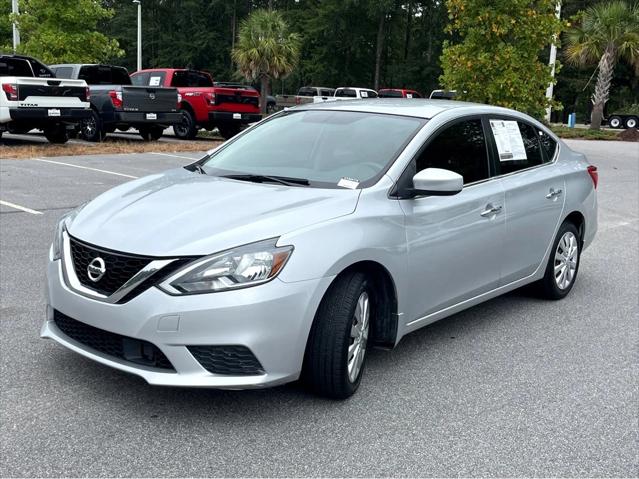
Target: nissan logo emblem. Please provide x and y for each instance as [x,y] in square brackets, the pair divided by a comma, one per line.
[96,269]
[152,96]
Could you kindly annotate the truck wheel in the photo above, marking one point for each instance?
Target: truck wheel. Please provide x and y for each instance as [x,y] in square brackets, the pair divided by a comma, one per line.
[270,108]
[91,129]
[56,134]
[186,130]
[151,133]
[631,122]
[614,122]
[228,131]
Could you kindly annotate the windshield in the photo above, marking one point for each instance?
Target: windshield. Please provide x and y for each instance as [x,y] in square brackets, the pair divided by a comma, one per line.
[323,147]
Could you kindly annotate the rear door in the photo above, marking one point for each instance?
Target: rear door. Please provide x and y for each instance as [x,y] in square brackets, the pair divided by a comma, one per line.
[534,193]
[454,242]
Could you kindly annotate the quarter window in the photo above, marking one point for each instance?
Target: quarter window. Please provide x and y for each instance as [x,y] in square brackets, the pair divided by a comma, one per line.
[548,144]
[460,148]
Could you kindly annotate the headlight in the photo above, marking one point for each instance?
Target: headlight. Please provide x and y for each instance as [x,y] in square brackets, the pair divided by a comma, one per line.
[241,267]
[63,224]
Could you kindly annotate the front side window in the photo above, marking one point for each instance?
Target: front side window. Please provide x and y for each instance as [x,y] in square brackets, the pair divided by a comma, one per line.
[390,94]
[10,67]
[323,147]
[460,148]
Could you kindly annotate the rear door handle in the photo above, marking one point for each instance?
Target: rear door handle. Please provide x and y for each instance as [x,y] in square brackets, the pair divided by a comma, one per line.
[490,210]
[553,193]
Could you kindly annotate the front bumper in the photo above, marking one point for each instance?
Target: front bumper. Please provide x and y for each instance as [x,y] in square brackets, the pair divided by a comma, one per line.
[218,117]
[272,320]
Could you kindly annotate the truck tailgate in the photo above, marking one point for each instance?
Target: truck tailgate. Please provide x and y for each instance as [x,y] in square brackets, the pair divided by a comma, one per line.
[149,99]
[49,92]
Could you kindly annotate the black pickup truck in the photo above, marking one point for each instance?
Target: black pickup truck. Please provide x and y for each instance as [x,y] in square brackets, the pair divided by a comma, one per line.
[116,103]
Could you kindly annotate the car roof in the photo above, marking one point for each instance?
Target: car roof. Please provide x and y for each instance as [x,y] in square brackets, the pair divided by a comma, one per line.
[419,108]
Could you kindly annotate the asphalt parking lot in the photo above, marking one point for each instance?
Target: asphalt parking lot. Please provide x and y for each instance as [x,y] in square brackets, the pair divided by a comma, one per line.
[514,387]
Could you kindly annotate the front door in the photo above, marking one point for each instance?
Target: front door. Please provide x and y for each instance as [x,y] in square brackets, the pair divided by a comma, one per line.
[454,242]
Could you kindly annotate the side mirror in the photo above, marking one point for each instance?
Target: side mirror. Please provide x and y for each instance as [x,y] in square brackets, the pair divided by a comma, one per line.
[437,182]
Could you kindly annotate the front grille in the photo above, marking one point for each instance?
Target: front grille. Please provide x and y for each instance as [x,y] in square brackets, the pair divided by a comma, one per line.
[246,100]
[229,360]
[120,267]
[112,344]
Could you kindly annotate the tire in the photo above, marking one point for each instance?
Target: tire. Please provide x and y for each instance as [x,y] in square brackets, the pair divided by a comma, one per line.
[331,363]
[631,122]
[92,129]
[228,131]
[186,130]
[56,134]
[270,108]
[551,286]
[615,121]
[151,133]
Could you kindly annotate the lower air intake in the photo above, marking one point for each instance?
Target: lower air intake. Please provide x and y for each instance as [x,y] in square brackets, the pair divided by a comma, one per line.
[228,360]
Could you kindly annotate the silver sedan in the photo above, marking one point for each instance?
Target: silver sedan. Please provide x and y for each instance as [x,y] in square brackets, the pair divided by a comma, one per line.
[324,230]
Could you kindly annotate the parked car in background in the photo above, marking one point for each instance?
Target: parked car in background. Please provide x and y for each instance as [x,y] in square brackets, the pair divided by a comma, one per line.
[306,94]
[32,98]
[351,93]
[270,99]
[442,94]
[398,93]
[326,230]
[203,104]
[116,103]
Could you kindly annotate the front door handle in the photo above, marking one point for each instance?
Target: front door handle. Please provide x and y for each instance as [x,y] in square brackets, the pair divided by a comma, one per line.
[490,210]
[553,193]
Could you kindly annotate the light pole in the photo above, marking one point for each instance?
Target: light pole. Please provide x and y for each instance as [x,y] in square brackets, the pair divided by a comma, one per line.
[139,2]
[551,62]
[16,32]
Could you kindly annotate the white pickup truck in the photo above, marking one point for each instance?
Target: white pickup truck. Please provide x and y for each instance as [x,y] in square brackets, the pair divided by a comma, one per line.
[33,98]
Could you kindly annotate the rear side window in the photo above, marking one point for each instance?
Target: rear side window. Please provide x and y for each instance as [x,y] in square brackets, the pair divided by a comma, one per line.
[326,92]
[306,91]
[368,94]
[548,144]
[64,72]
[460,148]
[104,75]
[190,79]
[15,67]
[390,94]
[346,92]
[518,145]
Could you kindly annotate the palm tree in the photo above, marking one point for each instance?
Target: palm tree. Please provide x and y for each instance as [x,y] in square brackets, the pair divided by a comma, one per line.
[265,49]
[609,32]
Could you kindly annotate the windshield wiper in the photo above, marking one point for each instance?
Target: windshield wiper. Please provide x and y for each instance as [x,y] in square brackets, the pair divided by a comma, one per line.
[283,180]
[196,167]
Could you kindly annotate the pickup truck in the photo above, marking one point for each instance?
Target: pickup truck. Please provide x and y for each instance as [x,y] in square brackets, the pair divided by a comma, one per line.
[204,105]
[398,93]
[306,94]
[352,93]
[115,103]
[31,97]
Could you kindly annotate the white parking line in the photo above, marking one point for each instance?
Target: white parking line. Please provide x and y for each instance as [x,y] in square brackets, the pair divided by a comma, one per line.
[175,156]
[85,168]
[21,208]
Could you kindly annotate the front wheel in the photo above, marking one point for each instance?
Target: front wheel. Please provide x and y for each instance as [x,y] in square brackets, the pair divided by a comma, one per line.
[228,131]
[563,264]
[56,134]
[186,129]
[336,349]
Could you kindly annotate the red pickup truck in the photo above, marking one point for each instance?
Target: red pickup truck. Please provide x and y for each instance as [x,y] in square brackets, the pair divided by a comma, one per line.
[202,104]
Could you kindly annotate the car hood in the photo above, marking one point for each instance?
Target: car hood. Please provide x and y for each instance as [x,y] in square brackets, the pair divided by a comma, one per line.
[179,213]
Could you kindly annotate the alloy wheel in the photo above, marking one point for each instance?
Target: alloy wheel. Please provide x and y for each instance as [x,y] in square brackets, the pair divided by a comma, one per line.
[359,336]
[566,257]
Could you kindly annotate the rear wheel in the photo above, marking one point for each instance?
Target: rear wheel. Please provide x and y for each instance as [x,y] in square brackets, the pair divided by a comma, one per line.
[336,349]
[228,130]
[56,134]
[615,122]
[631,122]
[91,128]
[186,129]
[563,264]
[151,133]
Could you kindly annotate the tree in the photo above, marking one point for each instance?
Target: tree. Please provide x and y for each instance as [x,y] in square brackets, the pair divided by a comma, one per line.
[495,55]
[65,31]
[265,49]
[607,33]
